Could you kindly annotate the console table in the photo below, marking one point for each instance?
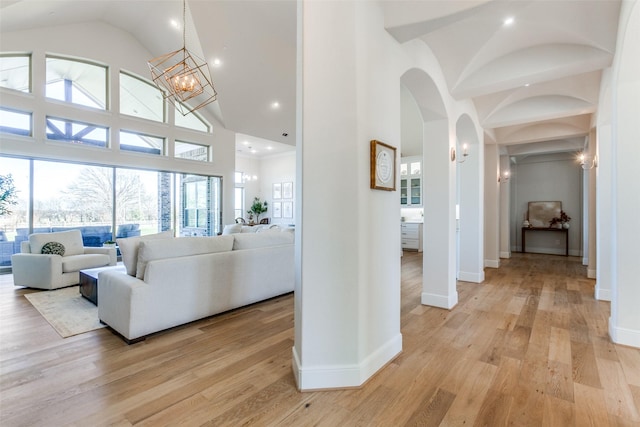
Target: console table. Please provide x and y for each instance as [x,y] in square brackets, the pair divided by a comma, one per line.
[556,230]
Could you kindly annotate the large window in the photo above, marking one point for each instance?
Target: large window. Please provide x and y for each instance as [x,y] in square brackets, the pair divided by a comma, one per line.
[201,205]
[15,72]
[190,121]
[15,122]
[77,82]
[140,99]
[188,150]
[132,141]
[76,132]
[74,196]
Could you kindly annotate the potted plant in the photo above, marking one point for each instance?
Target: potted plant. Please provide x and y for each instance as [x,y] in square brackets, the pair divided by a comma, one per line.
[258,207]
[109,243]
[560,222]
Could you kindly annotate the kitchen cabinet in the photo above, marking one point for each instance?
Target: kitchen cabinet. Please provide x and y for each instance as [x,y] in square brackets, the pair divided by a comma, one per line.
[411,233]
[411,181]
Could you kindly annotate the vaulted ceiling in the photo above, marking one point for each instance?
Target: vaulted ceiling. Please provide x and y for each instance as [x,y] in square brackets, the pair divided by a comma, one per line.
[531,67]
[534,81]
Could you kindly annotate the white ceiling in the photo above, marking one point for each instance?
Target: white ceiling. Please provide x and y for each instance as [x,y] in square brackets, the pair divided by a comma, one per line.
[534,83]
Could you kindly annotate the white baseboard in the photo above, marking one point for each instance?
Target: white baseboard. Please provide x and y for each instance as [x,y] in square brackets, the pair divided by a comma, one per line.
[602,294]
[345,376]
[506,255]
[624,336]
[552,251]
[492,263]
[591,273]
[440,301]
[465,276]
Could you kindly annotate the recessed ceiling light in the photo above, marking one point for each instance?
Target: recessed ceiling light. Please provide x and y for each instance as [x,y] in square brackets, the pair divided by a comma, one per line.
[527,84]
[254,151]
[275,104]
[508,21]
[217,62]
[269,147]
[245,142]
[175,24]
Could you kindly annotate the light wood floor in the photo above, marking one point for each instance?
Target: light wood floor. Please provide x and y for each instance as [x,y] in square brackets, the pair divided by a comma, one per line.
[528,347]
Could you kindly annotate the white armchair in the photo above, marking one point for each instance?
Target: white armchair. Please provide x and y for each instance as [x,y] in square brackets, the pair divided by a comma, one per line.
[34,269]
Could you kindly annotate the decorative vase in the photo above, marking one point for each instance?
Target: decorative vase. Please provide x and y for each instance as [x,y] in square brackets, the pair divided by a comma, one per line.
[565,225]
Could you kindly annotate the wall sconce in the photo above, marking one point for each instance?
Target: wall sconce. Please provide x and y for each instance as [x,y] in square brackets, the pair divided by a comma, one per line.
[465,153]
[586,163]
[504,177]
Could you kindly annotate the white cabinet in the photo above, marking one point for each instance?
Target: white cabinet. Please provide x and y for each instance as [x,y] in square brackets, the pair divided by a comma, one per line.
[411,233]
[411,181]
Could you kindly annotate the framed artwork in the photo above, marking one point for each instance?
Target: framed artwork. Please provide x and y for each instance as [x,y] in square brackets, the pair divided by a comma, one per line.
[277,209]
[277,191]
[383,166]
[287,190]
[287,209]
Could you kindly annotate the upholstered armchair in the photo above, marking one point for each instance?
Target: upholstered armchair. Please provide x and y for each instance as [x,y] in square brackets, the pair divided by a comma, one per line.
[53,260]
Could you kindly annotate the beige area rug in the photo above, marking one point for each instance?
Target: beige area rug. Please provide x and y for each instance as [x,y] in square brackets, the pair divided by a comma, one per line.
[66,310]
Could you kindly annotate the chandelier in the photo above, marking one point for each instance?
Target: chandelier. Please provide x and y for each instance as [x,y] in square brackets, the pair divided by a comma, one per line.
[183,77]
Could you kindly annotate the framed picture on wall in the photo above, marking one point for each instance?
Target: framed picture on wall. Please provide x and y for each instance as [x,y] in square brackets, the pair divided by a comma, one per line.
[287,190]
[277,191]
[277,209]
[287,209]
[383,166]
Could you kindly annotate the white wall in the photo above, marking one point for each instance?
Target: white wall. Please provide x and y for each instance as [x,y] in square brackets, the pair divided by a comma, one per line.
[624,323]
[411,124]
[554,177]
[278,168]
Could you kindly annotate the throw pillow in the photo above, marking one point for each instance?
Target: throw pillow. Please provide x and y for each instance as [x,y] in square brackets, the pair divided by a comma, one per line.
[53,248]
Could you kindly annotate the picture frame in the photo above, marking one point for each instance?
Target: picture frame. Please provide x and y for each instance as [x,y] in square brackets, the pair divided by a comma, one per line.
[277,191]
[287,209]
[277,209]
[383,166]
[287,190]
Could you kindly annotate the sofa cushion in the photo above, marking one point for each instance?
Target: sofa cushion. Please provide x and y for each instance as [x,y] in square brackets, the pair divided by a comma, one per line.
[180,247]
[261,240]
[232,229]
[53,248]
[71,240]
[80,262]
[129,248]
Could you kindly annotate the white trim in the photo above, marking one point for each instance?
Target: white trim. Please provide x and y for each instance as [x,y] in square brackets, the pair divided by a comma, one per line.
[602,294]
[344,376]
[591,273]
[466,276]
[624,336]
[505,254]
[440,301]
[492,263]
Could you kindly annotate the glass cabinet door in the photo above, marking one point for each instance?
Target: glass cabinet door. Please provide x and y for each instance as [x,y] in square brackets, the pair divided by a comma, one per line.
[403,192]
[416,192]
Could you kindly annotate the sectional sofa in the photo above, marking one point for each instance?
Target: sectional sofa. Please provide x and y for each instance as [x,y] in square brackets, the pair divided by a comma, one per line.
[172,281]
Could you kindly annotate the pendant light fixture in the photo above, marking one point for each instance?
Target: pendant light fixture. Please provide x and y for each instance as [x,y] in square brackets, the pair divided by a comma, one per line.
[183,77]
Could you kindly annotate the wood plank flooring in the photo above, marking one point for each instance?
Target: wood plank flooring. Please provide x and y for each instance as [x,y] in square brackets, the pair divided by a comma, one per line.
[528,347]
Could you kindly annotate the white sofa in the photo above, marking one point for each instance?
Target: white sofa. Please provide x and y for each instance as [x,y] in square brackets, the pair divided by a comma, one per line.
[34,269]
[180,280]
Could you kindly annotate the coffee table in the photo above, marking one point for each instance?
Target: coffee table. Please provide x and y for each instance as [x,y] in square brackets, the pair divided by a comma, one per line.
[89,281]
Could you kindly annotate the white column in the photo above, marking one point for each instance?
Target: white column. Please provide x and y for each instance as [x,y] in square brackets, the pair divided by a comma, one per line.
[505,208]
[624,323]
[491,206]
[439,229]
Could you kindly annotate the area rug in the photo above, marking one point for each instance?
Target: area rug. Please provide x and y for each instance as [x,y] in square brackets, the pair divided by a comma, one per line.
[66,310]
